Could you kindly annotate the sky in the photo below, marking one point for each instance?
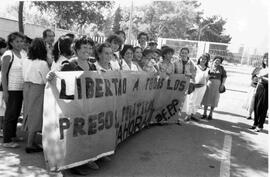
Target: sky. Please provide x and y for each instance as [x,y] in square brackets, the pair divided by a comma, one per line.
[248,21]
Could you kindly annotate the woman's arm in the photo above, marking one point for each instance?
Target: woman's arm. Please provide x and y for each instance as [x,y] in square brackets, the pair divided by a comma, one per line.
[5,66]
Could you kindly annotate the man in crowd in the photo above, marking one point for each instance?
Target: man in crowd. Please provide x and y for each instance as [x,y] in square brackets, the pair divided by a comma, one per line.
[142,40]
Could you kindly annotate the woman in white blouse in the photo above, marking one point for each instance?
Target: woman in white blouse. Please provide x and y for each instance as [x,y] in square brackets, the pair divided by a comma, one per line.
[12,82]
[104,55]
[35,70]
[127,55]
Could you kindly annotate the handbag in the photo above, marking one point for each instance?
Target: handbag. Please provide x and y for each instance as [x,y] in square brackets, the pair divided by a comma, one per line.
[222,89]
[10,63]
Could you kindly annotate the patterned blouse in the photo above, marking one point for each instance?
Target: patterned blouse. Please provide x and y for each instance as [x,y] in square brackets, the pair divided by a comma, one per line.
[217,72]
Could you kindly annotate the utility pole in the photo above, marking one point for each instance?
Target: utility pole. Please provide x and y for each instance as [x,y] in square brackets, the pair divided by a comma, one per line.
[130,23]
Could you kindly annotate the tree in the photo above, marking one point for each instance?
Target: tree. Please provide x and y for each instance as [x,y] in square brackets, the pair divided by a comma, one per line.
[72,13]
[20,17]
[117,19]
[210,29]
[167,19]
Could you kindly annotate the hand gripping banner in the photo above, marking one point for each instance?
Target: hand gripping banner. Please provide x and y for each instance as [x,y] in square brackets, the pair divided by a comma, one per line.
[86,114]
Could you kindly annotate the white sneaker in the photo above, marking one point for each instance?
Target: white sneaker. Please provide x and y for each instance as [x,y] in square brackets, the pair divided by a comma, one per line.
[11,145]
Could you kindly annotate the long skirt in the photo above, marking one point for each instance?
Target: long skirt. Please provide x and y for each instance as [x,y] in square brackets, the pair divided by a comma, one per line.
[211,96]
[193,101]
[33,95]
[249,102]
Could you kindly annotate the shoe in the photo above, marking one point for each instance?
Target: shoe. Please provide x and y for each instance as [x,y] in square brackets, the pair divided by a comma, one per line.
[33,149]
[204,116]
[248,118]
[11,145]
[81,170]
[93,165]
[258,129]
[187,118]
[253,127]
[209,117]
[194,119]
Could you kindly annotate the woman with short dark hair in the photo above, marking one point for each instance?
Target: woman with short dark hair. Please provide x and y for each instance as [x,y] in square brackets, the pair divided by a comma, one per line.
[116,44]
[137,56]
[83,48]
[35,70]
[166,66]
[103,55]
[62,51]
[12,82]
[127,55]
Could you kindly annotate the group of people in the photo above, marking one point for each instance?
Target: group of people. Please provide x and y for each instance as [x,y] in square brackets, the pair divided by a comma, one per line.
[27,64]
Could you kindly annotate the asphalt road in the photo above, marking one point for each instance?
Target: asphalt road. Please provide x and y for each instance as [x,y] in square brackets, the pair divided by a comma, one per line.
[222,147]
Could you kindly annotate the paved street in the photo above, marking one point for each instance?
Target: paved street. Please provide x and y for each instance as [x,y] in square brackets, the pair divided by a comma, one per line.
[222,147]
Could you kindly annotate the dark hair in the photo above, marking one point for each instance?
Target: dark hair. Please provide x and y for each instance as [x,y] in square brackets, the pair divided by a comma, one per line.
[166,50]
[152,41]
[116,38]
[12,37]
[218,57]
[163,47]
[62,47]
[208,56]
[46,31]
[146,52]
[28,40]
[199,59]
[83,40]
[142,34]
[184,48]
[125,48]
[265,55]
[3,43]
[71,35]
[37,50]
[100,48]
[119,32]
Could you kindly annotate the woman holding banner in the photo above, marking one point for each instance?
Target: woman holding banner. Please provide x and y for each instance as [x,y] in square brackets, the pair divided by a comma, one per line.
[166,66]
[137,57]
[83,49]
[217,78]
[116,44]
[103,55]
[127,55]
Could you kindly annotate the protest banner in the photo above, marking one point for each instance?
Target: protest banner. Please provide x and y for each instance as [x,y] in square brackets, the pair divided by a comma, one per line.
[87,114]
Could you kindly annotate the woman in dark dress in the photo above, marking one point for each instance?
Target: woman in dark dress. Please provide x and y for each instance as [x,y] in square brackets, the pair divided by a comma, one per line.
[217,78]
[261,97]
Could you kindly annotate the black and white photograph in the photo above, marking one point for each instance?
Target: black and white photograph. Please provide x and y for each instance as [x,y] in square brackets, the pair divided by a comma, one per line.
[134,88]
